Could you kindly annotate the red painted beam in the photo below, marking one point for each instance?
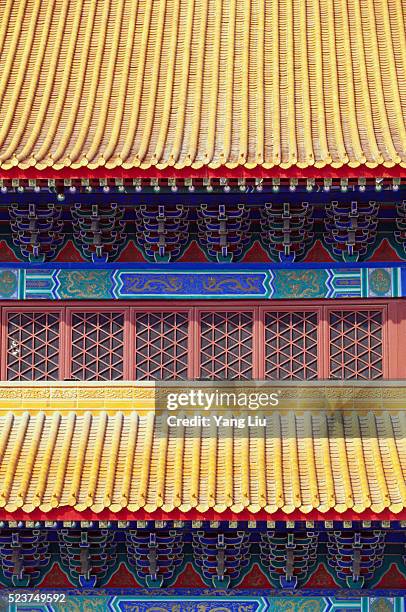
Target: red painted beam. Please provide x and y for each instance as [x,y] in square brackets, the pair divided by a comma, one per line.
[205,172]
[70,514]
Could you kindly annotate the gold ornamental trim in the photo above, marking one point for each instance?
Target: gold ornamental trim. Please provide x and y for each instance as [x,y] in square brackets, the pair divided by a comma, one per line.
[151,396]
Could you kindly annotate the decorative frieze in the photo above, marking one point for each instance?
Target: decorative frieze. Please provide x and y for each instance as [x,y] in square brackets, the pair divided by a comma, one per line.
[224,231]
[156,555]
[23,555]
[88,554]
[287,229]
[98,229]
[162,231]
[355,556]
[288,557]
[36,229]
[221,557]
[76,282]
[351,228]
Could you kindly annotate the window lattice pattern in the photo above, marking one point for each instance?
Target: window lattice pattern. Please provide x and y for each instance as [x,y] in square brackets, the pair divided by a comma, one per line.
[356,345]
[161,346]
[291,345]
[97,346]
[226,345]
[32,346]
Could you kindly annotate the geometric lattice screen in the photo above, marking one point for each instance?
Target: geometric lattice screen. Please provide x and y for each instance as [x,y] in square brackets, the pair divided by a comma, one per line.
[33,346]
[291,349]
[161,345]
[226,345]
[356,345]
[97,346]
[207,342]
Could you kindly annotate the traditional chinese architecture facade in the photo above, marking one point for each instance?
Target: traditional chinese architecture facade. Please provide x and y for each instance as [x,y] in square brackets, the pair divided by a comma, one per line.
[203,194]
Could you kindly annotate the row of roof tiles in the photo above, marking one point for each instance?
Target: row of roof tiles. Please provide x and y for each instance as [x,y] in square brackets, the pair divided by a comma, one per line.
[202,83]
[296,462]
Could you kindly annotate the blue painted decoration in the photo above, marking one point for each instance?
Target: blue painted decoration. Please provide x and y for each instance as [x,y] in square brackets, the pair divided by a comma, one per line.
[195,600]
[105,282]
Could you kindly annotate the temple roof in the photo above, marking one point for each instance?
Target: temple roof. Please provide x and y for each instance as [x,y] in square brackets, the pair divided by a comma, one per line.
[202,84]
[300,461]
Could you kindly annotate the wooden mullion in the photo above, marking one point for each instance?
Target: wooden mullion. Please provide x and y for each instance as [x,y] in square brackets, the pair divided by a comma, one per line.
[62,344]
[129,342]
[387,359]
[194,343]
[323,344]
[258,344]
[396,337]
[68,343]
[3,345]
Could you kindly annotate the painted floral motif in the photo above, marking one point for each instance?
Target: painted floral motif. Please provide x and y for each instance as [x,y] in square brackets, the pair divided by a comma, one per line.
[84,284]
[299,284]
[380,282]
[381,604]
[8,283]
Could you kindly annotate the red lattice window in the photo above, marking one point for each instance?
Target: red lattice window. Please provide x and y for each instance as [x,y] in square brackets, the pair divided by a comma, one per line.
[291,345]
[356,344]
[97,349]
[33,346]
[161,345]
[226,345]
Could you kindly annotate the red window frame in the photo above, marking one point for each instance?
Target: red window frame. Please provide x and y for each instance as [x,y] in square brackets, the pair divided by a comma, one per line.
[371,306]
[114,307]
[393,328]
[155,308]
[8,309]
[291,308]
[231,308]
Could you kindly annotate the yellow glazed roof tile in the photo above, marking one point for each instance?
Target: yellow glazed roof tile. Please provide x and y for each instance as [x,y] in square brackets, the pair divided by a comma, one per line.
[305,462]
[202,83]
